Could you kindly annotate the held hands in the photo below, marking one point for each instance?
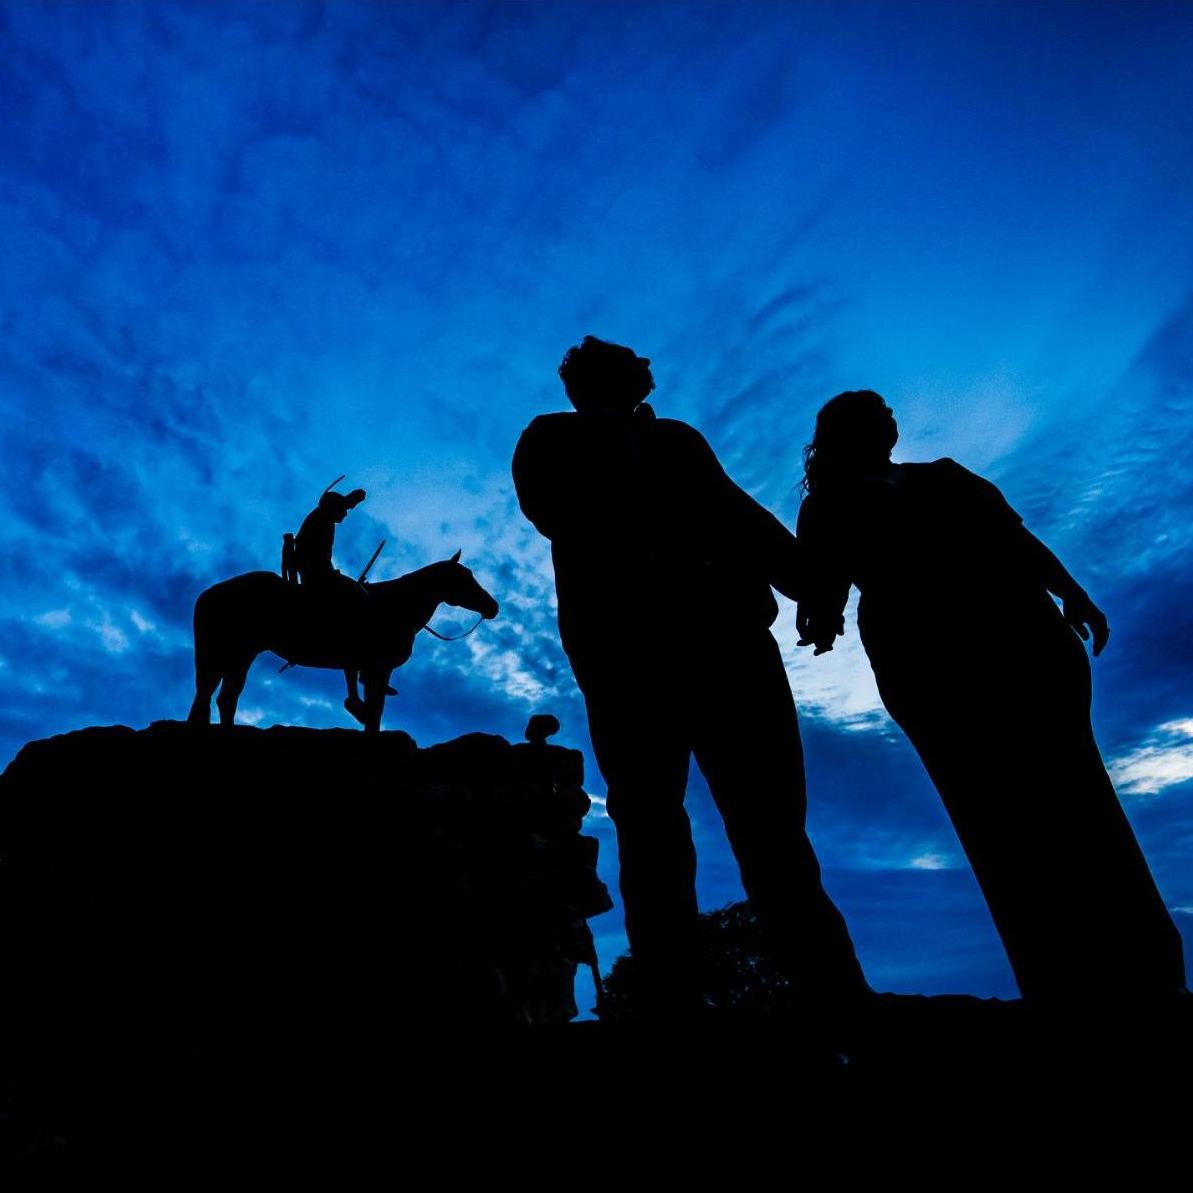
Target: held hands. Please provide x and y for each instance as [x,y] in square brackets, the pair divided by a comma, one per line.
[818,629]
[1080,612]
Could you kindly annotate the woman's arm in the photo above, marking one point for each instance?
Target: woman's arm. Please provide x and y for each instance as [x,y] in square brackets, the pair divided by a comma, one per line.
[820,619]
[1000,519]
[1079,611]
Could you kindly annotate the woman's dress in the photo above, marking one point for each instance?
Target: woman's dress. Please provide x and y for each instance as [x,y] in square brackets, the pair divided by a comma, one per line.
[976,664]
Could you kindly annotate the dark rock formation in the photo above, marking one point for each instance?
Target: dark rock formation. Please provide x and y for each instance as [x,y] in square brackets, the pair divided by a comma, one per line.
[293,944]
[176,886]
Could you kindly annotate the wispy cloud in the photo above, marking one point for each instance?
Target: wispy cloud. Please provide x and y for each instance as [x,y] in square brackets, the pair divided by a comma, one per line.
[932,861]
[1164,760]
[838,686]
[250,246]
[54,619]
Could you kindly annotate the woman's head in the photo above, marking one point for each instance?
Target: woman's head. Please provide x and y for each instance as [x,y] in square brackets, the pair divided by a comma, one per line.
[855,431]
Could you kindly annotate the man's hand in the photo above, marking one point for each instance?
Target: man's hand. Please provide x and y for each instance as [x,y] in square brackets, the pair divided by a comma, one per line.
[819,631]
[1080,612]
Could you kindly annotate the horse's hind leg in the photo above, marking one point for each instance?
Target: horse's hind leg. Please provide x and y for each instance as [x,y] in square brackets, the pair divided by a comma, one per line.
[230,689]
[206,682]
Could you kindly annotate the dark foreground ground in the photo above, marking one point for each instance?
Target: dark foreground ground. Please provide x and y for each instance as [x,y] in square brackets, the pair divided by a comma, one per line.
[979,1082]
[287,948]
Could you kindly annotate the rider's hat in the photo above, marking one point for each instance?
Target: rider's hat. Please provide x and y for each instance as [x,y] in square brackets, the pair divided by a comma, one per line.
[341,502]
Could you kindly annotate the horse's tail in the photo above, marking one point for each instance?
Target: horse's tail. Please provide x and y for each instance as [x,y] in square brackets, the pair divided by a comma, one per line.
[207,671]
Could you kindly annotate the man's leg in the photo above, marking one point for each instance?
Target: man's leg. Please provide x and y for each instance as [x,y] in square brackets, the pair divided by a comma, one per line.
[748,746]
[644,760]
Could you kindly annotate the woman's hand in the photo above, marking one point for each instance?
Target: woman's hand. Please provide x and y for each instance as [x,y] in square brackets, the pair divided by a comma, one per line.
[1080,612]
[818,629]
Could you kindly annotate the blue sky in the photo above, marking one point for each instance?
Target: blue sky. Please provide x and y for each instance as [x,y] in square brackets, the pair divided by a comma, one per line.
[250,246]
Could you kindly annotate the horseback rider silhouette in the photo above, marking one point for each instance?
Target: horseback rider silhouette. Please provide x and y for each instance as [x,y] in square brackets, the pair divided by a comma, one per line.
[336,595]
[317,535]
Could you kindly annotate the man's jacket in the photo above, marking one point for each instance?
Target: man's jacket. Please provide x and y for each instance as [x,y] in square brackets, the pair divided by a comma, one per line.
[648,534]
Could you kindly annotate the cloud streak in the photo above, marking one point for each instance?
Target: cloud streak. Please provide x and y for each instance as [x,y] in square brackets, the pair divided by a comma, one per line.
[249,247]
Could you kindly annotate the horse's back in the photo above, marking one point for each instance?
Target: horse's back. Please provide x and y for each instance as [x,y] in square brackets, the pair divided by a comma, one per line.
[245,584]
[243,596]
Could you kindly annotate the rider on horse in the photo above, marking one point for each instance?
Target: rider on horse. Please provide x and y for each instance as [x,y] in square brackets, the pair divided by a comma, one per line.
[337,595]
[317,536]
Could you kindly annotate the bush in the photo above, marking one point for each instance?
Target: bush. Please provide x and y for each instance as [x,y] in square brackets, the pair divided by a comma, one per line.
[738,974]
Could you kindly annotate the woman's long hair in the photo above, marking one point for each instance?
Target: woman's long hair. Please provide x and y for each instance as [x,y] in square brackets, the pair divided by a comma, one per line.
[854,431]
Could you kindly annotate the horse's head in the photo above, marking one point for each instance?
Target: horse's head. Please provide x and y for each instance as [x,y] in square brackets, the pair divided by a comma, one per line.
[459,587]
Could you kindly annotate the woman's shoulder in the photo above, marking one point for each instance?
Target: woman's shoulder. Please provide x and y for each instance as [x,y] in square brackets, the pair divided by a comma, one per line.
[957,482]
[946,466]
[945,471]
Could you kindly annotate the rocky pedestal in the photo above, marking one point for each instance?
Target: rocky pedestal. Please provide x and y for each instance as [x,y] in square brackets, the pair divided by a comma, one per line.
[175,886]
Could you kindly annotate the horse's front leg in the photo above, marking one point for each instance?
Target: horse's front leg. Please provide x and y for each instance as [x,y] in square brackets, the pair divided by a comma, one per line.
[352,702]
[376,688]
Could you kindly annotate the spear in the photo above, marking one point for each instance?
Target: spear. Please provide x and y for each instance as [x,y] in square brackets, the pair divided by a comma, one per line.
[361,578]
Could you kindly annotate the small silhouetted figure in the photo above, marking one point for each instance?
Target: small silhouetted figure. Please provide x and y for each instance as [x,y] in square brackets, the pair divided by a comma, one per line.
[540,727]
[289,560]
[663,569]
[990,681]
[341,596]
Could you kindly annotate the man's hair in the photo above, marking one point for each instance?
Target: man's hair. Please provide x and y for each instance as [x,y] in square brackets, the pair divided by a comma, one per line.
[595,373]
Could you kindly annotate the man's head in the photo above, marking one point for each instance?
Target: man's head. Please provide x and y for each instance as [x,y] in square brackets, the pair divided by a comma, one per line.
[602,376]
[337,505]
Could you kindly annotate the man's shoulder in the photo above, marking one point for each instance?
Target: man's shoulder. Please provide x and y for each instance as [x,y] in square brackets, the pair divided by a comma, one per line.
[556,427]
[554,418]
[544,433]
[577,436]
[675,436]
[547,424]
[572,423]
[673,426]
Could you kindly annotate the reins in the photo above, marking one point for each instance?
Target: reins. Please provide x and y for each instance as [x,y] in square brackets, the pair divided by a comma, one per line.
[444,638]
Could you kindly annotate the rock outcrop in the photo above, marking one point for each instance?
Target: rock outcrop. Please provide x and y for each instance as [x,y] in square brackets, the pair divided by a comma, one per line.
[185,883]
[276,944]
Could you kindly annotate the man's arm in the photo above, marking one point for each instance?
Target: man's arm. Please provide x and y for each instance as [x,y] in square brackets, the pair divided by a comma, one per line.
[532,479]
[751,529]
[550,485]
[768,540]
[576,480]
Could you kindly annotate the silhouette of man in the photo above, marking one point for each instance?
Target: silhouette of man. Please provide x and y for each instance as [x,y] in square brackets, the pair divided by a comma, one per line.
[338,595]
[663,569]
[317,535]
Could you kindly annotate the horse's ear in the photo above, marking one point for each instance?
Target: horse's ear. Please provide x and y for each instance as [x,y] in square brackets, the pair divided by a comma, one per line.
[456,557]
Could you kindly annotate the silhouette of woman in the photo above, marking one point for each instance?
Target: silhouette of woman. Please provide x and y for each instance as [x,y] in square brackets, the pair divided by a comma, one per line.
[990,681]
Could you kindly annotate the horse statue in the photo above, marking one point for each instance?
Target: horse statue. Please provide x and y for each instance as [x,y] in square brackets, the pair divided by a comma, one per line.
[239,618]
